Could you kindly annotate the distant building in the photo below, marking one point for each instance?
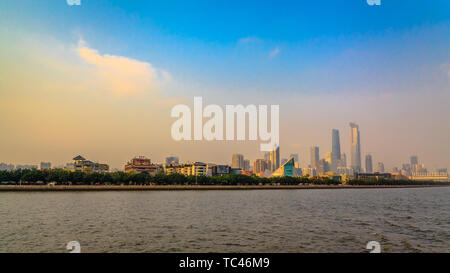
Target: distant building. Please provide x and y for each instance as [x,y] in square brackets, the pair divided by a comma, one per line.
[220,170]
[335,151]
[373,175]
[246,165]
[237,161]
[6,167]
[260,166]
[369,166]
[190,169]
[323,167]
[343,161]
[328,158]
[141,164]
[355,144]
[380,167]
[83,165]
[314,156]
[46,165]
[311,172]
[275,159]
[26,167]
[287,169]
[172,160]
[431,176]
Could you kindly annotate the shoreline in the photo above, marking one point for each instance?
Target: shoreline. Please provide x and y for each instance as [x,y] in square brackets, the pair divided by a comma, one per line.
[199,188]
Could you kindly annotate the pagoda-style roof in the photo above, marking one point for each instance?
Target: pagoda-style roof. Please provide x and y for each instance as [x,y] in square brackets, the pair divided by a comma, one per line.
[78,158]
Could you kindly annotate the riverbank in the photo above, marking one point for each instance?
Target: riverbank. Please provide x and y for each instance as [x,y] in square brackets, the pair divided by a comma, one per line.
[199,188]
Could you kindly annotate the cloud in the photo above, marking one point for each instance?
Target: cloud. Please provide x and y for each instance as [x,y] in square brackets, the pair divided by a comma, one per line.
[274,52]
[248,40]
[122,76]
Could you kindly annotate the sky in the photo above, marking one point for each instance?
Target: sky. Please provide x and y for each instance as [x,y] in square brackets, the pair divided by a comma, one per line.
[100,79]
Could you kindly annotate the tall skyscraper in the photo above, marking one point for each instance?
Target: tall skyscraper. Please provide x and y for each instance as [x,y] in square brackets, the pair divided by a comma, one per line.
[369,166]
[314,156]
[275,159]
[237,162]
[335,150]
[355,147]
[380,168]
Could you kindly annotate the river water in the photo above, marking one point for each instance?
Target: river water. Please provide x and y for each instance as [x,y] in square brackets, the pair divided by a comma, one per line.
[401,220]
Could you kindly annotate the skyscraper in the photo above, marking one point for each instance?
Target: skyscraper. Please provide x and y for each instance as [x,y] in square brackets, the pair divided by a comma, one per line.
[237,162]
[275,159]
[355,147]
[314,156]
[259,166]
[380,168]
[335,150]
[246,165]
[369,166]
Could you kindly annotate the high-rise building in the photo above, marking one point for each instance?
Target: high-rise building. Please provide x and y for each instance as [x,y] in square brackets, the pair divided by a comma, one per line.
[335,150]
[275,159]
[328,157]
[323,167]
[369,166]
[414,164]
[237,161]
[380,167]
[355,146]
[414,160]
[260,166]
[246,165]
[172,160]
[314,156]
[343,161]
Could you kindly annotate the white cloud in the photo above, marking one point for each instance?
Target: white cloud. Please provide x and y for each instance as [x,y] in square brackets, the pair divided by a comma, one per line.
[122,76]
[274,52]
[248,40]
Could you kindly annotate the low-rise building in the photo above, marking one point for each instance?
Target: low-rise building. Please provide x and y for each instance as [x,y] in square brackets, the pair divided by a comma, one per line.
[83,165]
[141,164]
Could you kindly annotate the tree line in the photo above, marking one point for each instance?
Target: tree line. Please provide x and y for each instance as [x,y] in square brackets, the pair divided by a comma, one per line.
[64,177]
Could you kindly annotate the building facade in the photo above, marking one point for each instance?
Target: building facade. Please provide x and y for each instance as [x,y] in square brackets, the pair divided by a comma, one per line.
[355,147]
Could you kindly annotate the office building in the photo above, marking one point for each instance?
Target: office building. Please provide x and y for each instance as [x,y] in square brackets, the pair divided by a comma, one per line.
[355,147]
[369,165]
[275,159]
[335,151]
[314,156]
[237,161]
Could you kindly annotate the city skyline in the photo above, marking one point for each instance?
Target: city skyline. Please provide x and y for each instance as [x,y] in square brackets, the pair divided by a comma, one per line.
[72,85]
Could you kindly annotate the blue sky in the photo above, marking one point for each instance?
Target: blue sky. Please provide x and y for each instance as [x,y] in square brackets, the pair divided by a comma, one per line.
[325,62]
[192,38]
